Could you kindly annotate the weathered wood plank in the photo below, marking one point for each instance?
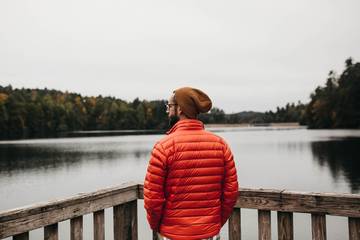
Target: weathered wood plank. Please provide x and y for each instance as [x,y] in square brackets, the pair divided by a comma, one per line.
[134,220]
[51,232]
[141,191]
[125,221]
[318,226]
[99,225]
[22,236]
[76,228]
[36,216]
[354,228]
[264,224]
[347,205]
[285,226]
[235,225]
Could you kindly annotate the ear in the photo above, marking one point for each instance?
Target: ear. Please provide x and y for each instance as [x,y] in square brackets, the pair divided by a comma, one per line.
[181,114]
[179,110]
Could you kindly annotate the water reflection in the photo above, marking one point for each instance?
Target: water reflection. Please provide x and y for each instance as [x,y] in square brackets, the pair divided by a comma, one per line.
[342,157]
[296,151]
[25,157]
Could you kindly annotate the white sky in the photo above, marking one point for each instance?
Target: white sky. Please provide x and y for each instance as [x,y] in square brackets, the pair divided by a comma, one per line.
[247,55]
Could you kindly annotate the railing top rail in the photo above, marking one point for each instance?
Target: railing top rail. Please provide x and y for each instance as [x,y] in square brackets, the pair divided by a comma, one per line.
[39,215]
[338,204]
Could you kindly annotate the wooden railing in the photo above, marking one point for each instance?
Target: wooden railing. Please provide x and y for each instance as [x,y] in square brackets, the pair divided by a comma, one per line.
[123,200]
[286,202]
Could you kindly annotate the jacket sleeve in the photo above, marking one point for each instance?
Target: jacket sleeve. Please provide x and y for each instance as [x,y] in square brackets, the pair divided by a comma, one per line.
[154,186]
[230,186]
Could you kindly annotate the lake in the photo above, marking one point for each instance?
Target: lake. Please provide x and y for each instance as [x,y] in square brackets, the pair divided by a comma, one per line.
[298,159]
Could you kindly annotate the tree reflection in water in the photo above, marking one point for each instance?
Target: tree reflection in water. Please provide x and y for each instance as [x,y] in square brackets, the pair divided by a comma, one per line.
[342,156]
[27,157]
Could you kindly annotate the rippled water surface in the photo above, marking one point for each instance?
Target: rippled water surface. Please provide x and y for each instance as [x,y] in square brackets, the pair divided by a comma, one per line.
[34,171]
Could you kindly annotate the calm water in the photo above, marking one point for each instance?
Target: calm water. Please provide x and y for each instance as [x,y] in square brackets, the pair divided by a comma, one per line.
[34,171]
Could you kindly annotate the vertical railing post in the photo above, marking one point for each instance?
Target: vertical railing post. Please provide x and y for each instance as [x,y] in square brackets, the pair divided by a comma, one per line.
[264,224]
[125,221]
[76,228]
[235,225]
[99,225]
[318,223]
[354,228]
[51,232]
[285,225]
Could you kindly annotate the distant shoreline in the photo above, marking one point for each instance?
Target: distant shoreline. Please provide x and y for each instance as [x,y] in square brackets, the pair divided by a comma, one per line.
[284,124]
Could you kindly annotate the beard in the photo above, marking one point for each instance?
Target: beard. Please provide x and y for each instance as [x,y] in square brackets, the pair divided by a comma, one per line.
[173,120]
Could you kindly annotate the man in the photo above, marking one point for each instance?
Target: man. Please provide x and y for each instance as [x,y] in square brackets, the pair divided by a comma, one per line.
[191,183]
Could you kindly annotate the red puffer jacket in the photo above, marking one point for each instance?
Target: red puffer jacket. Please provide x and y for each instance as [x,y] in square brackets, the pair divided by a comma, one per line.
[191,184]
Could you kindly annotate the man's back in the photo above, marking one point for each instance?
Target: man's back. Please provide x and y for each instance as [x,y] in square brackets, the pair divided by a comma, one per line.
[191,185]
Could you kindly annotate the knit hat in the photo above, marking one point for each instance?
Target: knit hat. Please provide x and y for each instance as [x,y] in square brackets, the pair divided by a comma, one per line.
[192,101]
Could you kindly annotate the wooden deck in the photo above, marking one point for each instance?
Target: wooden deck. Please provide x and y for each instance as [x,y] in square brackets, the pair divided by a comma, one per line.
[123,199]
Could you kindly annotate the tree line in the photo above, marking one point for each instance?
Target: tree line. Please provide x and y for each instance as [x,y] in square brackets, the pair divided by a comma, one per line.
[46,113]
[337,104]
[290,113]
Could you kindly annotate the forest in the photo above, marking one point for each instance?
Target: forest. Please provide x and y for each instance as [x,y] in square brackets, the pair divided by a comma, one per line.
[29,113]
[337,104]
[43,113]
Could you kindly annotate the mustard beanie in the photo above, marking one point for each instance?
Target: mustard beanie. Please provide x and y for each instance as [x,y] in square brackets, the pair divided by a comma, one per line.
[192,101]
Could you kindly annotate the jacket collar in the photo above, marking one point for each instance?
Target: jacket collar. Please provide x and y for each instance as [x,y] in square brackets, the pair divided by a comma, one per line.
[187,124]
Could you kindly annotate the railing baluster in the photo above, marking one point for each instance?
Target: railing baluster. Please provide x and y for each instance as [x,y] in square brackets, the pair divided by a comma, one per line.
[21,236]
[318,223]
[99,225]
[76,225]
[51,232]
[354,228]
[285,225]
[235,225]
[125,221]
[264,224]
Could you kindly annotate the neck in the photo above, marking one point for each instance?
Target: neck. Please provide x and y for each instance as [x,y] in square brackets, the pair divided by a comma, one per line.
[182,117]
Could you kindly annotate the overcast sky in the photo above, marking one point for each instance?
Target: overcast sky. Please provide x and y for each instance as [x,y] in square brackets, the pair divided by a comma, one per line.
[247,55]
